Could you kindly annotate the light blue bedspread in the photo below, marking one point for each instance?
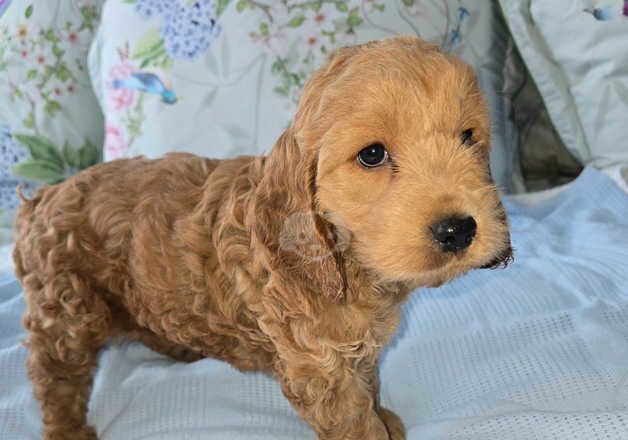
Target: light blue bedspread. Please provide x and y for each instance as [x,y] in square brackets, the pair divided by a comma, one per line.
[536,351]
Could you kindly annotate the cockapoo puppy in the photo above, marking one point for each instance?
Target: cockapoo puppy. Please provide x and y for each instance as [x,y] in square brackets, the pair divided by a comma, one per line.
[295,263]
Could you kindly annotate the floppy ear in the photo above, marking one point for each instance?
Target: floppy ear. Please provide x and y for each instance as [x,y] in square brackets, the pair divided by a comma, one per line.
[310,240]
[310,118]
[303,243]
[315,85]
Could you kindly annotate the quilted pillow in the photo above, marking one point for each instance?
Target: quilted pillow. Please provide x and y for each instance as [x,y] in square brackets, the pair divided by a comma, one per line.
[50,121]
[222,78]
[577,54]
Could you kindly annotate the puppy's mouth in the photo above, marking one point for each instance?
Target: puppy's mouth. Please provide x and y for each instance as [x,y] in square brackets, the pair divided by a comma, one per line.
[503,259]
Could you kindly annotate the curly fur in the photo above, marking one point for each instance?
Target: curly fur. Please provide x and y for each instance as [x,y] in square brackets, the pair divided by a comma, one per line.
[202,258]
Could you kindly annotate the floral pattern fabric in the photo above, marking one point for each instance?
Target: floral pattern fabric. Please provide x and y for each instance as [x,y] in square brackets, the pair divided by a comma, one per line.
[220,78]
[50,123]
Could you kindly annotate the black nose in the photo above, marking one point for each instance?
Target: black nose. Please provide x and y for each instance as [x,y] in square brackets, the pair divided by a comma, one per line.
[454,233]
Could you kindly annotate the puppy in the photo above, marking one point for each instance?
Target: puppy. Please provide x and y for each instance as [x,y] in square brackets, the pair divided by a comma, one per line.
[295,263]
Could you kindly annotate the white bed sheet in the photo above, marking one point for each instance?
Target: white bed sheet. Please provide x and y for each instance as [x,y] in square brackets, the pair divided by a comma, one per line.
[537,351]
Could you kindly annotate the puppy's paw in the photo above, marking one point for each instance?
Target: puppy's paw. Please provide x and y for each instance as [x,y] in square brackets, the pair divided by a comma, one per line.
[83,433]
[394,425]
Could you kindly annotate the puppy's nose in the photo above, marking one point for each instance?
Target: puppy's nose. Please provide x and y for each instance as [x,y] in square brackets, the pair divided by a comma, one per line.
[454,233]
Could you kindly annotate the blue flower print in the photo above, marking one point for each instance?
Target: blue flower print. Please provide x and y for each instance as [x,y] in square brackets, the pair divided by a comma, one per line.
[188,27]
[151,8]
[188,30]
[11,152]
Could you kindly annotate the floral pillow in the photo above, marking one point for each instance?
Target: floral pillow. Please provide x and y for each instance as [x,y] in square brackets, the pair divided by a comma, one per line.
[221,78]
[50,121]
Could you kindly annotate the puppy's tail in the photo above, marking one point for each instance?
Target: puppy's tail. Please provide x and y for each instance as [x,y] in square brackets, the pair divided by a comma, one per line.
[20,193]
[27,206]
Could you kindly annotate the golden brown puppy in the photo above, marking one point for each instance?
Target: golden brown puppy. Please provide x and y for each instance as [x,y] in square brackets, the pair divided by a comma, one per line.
[295,263]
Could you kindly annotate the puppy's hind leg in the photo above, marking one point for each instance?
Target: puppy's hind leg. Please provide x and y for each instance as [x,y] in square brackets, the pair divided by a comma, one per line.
[67,323]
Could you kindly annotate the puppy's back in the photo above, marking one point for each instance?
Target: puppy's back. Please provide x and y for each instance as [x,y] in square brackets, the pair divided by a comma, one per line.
[85,223]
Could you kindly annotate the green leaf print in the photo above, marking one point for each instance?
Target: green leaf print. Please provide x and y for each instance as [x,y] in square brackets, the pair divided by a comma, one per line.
[90,14]
[354,18]
[342,6]
[263,29]
[52,108]
[39,170]
[89,155]
[57,51]
[316,6]
[148,43]
[3,62]
[41,149]
[28,122]
[150,50]
[296,21]
[221,5]
[29,11]
[50,36]
[243,4]
[71,156]
[48,165]
[408,2]
[62,72]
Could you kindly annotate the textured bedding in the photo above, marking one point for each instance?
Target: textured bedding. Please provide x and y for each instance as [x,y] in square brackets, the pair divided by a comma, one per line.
[536,351]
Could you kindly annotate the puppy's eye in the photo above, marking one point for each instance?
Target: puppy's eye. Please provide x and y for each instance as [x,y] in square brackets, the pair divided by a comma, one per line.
[467,137]
[373,156]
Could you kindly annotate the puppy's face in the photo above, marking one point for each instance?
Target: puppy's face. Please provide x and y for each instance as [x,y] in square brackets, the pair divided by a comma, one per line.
[402,134]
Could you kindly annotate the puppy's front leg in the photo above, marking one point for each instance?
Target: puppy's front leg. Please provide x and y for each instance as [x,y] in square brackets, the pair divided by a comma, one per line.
[333,393]
[394,425]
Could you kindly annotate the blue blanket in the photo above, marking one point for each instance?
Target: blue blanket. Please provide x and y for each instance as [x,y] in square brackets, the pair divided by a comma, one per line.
[536,351]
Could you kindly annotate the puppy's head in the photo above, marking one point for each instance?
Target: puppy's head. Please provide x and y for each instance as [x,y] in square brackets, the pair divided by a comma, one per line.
[399,136]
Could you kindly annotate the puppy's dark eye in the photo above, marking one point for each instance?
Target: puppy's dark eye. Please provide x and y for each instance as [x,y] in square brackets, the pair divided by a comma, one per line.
[373,156]
[467,137]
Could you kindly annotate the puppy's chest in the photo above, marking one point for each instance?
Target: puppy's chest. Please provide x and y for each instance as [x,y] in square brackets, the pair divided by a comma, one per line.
[371,325]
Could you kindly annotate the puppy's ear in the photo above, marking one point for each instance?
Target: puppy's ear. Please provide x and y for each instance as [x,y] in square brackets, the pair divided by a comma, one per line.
[310,115]
[324,261]
[310,242]
[304,243]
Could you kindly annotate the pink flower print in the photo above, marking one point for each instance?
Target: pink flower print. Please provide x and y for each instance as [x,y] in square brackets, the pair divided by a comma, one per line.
[321,20]
[115,145]
[72,37]
[314,44]
[120,98]
[40,59]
